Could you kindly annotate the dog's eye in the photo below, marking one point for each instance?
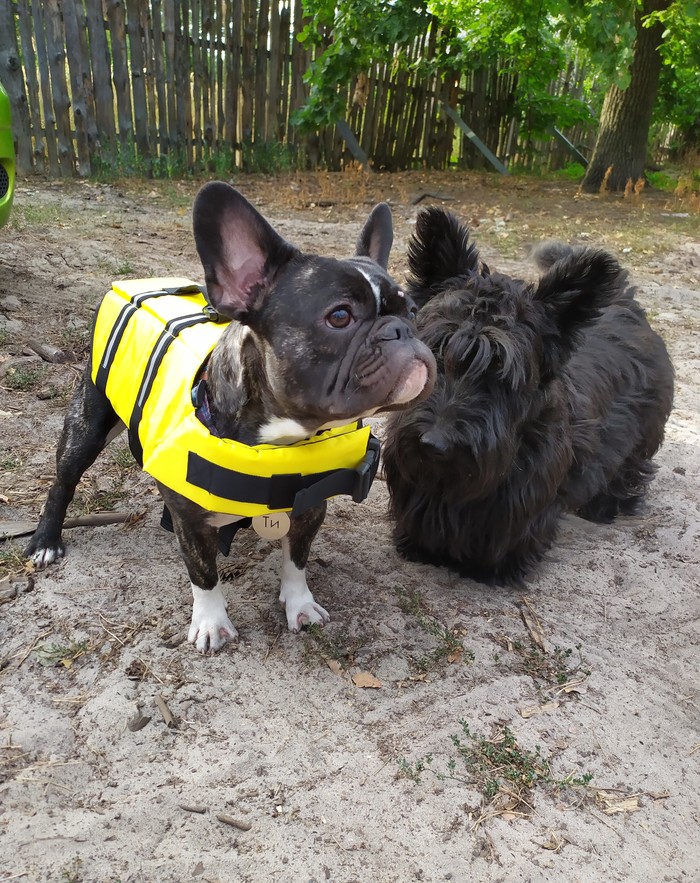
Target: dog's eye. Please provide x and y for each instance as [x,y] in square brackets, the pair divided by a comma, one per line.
[339,318]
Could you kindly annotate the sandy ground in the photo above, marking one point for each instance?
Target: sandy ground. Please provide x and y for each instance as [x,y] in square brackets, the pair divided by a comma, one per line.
[591,678]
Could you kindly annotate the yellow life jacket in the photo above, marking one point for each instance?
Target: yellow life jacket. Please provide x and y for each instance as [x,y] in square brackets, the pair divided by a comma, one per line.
[150,341]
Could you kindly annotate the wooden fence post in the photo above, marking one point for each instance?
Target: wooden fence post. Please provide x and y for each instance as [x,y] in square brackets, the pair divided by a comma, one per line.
[79,100]
[11,73]
[101,80]
[137,68]
[120,73]
[55,44]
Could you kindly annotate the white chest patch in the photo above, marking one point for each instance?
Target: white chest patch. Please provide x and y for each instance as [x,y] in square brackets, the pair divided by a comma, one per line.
[281,431]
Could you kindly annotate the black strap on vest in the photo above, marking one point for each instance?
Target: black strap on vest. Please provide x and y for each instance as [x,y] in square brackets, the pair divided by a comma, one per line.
[353,482]
[171,330]
[294,492]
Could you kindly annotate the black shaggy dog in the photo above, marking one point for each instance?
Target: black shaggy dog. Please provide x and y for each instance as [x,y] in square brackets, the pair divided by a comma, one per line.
[550,397]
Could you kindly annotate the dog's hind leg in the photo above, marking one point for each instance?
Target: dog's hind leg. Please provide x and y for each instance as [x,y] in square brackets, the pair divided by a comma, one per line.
[296,598]
[624,494]
[90,424]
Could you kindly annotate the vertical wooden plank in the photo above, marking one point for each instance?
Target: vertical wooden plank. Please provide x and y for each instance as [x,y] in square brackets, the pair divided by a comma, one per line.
[55,44]
[86,75]
[36,135]
[272,126]
[199,51]
[233,73]
[76,67]
[138,82]
[146,20]
[261,55]
[169,78]
[220,31]
[42,58]
[159,64]
[285,69]
[209,39]
[100,61]
[120,73]
[13,79]
[248,71]
[182,79]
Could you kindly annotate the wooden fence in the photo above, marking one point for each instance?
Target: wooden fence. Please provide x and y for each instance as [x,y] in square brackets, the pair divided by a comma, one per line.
[167,86]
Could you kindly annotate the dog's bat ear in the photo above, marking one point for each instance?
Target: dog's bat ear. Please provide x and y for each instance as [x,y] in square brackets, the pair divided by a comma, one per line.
[547,253]
[440,249]
[377,236]
[240,252]
[575,290]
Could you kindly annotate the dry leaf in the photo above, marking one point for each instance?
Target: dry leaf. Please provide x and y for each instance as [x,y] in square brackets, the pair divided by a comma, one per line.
[554,843]
[456,655]
[334,666]
[366,680]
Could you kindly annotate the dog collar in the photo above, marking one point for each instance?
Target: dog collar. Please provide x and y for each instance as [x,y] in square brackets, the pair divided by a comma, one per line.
[151,338]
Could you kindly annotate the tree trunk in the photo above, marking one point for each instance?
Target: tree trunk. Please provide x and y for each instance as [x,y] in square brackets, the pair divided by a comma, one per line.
[621,145]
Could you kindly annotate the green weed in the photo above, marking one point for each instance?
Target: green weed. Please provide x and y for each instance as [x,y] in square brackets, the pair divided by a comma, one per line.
[325,644]
[450,647]
[52,655]
[11,560]
[24,378]
[504,773]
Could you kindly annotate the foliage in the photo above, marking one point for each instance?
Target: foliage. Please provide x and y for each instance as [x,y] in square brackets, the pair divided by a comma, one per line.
[679,86]
[347,37]
[533,41]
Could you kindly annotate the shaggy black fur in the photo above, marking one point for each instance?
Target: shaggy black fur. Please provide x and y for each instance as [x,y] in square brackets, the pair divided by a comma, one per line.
[550,397]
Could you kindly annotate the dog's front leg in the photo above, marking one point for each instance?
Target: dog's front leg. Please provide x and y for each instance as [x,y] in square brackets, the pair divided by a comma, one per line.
[198,540]
[295,597]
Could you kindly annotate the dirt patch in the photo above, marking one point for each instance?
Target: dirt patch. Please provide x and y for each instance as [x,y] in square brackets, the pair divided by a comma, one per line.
[437,729]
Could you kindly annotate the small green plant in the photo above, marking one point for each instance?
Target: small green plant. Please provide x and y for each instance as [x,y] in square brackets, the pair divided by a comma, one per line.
[553,668]
[9,461]
[74,872]
[51,655]
[498,767]
[320,643]
[269,157]
[450,647]
[11,560]
[573,172]
[122,457]
[24,377]
[124,268]
[413,771]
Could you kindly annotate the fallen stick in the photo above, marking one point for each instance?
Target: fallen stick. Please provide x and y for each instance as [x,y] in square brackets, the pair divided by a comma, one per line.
[191,807]
[165,711]
[50,353]
[97,519]
[235,823]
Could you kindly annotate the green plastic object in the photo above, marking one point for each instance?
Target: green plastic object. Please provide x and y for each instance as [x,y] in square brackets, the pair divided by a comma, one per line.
[7,158]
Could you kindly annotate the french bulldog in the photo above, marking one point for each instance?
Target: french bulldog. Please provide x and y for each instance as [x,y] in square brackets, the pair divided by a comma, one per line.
[312,343]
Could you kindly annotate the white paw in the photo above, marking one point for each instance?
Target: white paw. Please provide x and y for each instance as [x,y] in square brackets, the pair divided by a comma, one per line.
[45,556]
[305,611]
[296,598]
[211,628]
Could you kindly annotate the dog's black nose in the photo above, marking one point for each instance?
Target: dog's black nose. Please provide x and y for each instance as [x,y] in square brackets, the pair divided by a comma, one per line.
[395,329]
[436,441]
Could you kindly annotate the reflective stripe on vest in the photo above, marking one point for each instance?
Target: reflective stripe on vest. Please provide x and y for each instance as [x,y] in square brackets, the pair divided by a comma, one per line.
[151,338]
